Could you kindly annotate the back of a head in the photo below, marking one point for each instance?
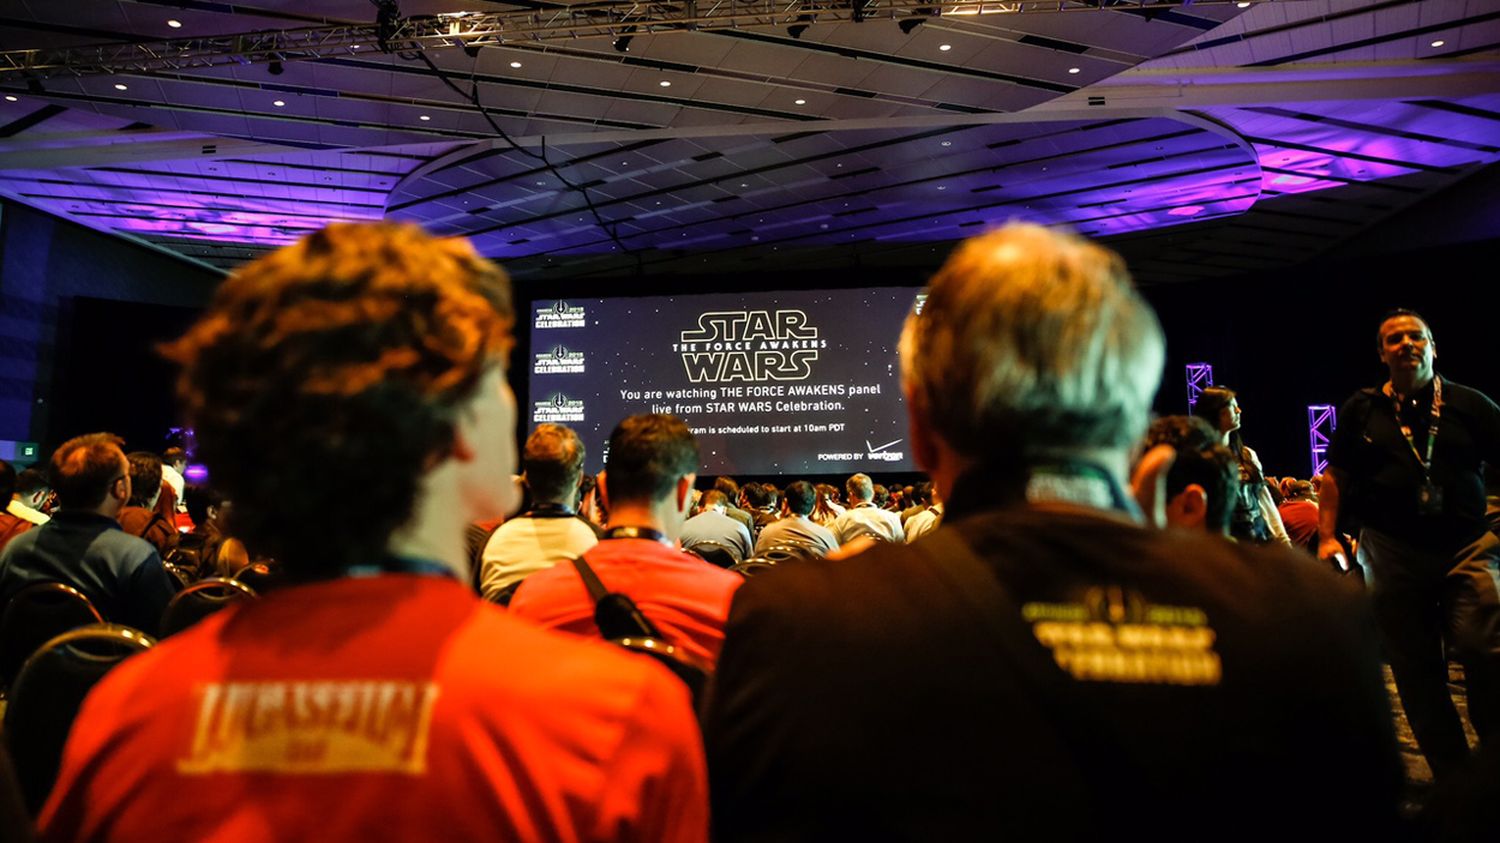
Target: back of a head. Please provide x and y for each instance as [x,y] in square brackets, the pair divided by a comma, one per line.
[755,495]
[31,480]
[1181,432]
[7,482]
[173,456]
[145,477]
[711,499]
[1200,461]
[553,462]
[1032,341]
[800,497]
[197,498]
[361,344]
[84,467]
[647,455]
[860,488]
[727,485]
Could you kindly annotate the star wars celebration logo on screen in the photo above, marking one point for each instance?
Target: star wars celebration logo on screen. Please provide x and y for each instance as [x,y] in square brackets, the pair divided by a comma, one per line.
[749,346]
[560,360]
[558,408]
[558,314]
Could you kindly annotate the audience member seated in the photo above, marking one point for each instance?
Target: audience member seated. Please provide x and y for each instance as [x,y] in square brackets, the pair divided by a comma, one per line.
[711,524]
[377,698]
[550,531]
[863,518]
[1045,666]
[731,492]
[647,485]
[761,503]
[1299,512]
[32,498]
[927,520]
[10,525]
[173,471]
[207,551]
[919,499]
[1202,485]
[794,528]
[83,546]
[140,517]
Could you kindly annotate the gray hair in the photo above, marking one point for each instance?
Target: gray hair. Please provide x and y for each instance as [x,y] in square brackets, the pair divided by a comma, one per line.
[1032,341]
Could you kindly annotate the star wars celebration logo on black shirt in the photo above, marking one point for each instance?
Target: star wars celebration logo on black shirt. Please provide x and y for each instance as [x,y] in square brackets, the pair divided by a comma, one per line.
[749,346]
[557,408]
[559,314]
[1114,634]
[560,360]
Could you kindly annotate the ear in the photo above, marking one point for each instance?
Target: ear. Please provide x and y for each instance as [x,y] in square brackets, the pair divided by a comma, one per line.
[1189,509]
[1149,483]
[603,485]
[685,491]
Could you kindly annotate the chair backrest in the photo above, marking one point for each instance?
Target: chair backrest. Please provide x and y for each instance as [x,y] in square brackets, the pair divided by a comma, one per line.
[713,552]
[754,566]
[792,550]
[200,600]
[259,576]
[35,615]
[48,693]
[693,673]
[181,577]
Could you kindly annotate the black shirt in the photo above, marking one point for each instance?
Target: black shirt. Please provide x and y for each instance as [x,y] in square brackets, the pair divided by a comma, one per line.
[1384,474]
[890,697]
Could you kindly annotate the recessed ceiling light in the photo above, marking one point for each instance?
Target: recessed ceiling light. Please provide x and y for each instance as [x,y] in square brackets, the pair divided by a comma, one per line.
[1243,4]
[424,117]
[279,103]
[1438,43]
[175,24]
[742,184]
[541,184]
[1186,211]
[942,187]
[515,64]
[799,102]
[9,98]
[121,86]
[1075,70]
[945,47]
[665,84]
[947,143]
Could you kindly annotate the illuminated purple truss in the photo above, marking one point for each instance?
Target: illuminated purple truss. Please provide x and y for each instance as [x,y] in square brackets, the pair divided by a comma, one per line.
[1199,375]
[1322,420]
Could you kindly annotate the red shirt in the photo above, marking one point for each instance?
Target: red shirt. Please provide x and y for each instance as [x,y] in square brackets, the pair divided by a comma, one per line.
[1301,521]
[385,708]
[684,596]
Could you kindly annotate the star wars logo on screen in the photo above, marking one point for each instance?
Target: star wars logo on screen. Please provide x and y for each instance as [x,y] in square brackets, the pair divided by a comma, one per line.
[558,314]
[559,361]
[750,345]
[558,408]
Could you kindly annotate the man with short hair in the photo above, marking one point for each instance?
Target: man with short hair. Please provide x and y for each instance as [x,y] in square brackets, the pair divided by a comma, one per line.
[1407,462]
[647,485]
[1204,478]
[760,498]
[549,532]
[376,697]
[710,524]
[925,521]
[139,517]
[29,499]
[731,491]
[83,546]
[1049,667]
[794,528]
[173,469]
[1299,513]
[863,517]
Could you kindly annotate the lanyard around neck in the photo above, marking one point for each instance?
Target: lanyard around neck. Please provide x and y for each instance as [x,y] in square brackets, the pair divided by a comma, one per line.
[1432,426]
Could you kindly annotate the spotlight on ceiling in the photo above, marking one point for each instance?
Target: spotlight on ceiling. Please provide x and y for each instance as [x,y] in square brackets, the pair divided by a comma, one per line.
[803,22]
[276,68]
[909,25]
[622,44]
[471,50]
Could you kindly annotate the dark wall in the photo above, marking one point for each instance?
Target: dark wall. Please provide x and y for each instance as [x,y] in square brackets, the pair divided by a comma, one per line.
[55,346]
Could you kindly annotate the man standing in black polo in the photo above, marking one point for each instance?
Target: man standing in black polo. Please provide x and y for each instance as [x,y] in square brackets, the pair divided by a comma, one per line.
[1407,462]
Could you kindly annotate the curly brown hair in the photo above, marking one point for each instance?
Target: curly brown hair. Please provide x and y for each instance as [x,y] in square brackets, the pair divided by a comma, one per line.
[325,379]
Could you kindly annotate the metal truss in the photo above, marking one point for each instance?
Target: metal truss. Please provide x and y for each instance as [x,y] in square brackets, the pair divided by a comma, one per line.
[1322,420]
[472,30]
[1199,376]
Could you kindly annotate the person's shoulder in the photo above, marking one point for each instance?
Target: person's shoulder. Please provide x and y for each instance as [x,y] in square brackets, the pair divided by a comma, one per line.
[1467,394]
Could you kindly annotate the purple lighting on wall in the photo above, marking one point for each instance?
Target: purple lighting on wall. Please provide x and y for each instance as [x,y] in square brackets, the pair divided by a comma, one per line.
[1199,375]
[1322,420]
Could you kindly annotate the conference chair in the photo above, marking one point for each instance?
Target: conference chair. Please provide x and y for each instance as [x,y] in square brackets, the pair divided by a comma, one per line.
[200,600]
[48,693]
[792,550]
[259,576]
[181,577]
[754,566]
[34,616]
[715,553]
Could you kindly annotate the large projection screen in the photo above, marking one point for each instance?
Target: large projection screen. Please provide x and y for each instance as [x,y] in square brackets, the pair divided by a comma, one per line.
[771,383]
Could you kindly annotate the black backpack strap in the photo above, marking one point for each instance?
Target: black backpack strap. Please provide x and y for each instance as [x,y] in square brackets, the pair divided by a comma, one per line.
[615,614]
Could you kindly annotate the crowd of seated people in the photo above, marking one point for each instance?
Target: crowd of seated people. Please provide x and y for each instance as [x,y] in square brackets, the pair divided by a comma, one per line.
[1083,619]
